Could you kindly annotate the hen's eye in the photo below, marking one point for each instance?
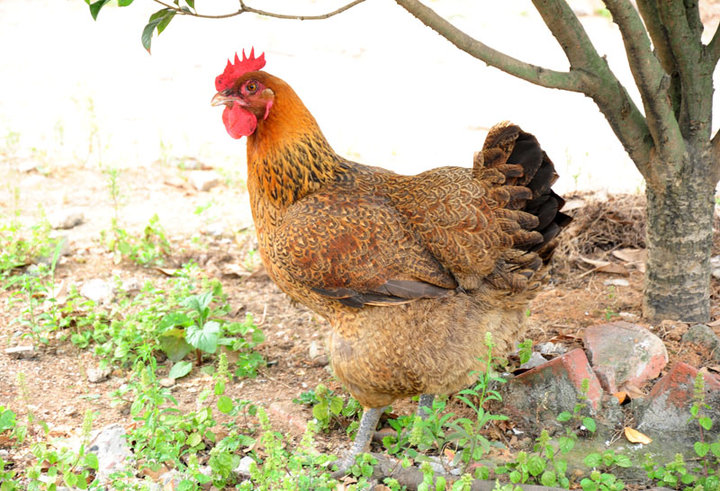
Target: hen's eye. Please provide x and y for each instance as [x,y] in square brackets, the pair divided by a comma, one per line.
[251,87]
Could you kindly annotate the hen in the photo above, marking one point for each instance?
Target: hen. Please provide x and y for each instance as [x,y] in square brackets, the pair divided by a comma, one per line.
[410,271]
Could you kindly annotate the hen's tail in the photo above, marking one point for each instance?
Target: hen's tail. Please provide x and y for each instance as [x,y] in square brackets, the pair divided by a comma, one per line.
[525,176]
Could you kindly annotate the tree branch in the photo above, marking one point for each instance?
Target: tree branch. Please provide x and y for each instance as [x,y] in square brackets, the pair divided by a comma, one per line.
[651,80]
[589,73]
[625,119]
[246,9]
[713,47]
[532,73]
[694,68]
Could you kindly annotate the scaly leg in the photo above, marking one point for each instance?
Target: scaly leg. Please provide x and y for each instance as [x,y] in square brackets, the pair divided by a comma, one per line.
[425,405]
[364,434]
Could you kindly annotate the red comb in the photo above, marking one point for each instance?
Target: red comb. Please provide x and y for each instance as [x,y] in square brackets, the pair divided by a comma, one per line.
[235,70]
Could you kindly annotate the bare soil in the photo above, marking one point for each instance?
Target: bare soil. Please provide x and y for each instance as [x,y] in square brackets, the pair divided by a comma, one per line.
[56,389]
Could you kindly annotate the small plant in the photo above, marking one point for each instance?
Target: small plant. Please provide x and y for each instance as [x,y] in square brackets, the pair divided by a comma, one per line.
[601,478]
[328,408]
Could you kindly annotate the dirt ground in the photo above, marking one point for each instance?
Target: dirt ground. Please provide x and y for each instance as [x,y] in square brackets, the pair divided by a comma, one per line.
[57,390]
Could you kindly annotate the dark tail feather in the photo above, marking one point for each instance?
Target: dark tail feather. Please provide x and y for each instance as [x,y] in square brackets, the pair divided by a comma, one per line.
[517,155]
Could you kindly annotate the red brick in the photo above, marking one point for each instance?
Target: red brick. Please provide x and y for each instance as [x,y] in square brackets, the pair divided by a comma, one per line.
[678,384]
[622,353]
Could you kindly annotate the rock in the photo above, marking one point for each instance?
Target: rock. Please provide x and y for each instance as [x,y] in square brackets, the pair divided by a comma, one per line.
[112,450]
[621,353]
[60,241]
[97,375]
[551,348]
[188,163]
[65,219]
[167,382]
[554,387]
[667,407]
[536,359]
[21,352]
[704,336]
[715,267]
[216,230]
[616,282]
[243,468]
[98,290]
[131,286]
[204,180]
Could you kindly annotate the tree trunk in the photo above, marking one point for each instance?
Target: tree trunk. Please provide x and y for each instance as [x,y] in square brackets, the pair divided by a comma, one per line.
[679,241]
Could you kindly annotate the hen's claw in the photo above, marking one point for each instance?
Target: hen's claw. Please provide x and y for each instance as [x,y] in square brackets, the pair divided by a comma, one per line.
[368,423]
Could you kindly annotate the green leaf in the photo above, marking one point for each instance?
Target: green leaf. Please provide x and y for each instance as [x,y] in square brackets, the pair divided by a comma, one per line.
[7,419]
[96,6]
[715,449]
[588,485]
[623,461]
[173,344]
[536,465]
[701,448]
[564,416]
[566,444]
[593,460]
[159,20]
[336,405]
[515,477]
[194,440]
[548,479]
[205,339]
[705,422]
[191,3]
[180,369]
[589,423]
[225,404]
[124,3]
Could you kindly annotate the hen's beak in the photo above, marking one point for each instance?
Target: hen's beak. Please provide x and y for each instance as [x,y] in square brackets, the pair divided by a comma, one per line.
[219,99]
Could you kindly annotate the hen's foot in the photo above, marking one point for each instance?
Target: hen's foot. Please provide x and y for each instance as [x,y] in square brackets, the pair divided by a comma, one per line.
[368,423]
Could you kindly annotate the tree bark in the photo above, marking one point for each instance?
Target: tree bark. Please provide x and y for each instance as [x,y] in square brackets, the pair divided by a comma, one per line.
[679,241]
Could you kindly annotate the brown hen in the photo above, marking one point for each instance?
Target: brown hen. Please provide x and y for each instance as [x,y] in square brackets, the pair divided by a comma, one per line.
[410,271]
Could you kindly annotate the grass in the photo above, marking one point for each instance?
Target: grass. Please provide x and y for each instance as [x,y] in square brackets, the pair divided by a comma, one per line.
[185,318]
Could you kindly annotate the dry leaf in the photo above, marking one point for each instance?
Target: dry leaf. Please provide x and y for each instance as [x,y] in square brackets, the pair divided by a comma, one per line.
[621,396]
[635,257]
[167,271]
[632,391]
[634,436]
[605,267]
[714,368]
[714,323]
[449,454]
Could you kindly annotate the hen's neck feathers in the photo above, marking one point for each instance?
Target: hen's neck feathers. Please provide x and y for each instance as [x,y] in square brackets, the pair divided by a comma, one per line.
[287,154]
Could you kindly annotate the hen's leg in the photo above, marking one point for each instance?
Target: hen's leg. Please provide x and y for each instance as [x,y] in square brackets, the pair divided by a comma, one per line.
[425,405]
[364,434]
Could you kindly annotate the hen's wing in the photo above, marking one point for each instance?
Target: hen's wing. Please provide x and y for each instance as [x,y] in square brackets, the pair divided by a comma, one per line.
[357,249]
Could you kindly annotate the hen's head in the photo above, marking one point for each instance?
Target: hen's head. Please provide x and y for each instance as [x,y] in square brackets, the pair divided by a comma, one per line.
[243,89]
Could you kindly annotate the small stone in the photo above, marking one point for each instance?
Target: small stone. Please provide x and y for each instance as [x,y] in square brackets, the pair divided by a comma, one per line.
[97,375]
[715,267]
[112,450]
[243,468]
[21,352]
[98,290]
[167,382]
[704,336]
[131,285]
[624,353]
[314,351]
[66,219]
[188,163]
[536,359]
[216,230]
[203,180]
[551,348]
[616,282]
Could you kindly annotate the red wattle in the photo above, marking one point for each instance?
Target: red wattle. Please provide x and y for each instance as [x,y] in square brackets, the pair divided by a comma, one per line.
[238,121]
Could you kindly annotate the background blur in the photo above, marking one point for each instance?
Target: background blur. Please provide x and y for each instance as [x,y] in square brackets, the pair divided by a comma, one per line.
[385,89]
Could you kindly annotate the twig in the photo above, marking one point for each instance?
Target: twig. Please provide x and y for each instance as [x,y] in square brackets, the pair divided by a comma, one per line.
[247,9]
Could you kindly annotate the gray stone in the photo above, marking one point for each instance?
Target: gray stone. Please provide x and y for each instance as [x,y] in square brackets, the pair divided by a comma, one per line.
[98,290]
[97,375]
[704,336]
[536,359]
[66,219]
[715,267]
[112,450]
[243,468]
[21,352]
[203,180]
